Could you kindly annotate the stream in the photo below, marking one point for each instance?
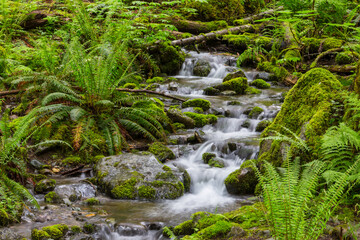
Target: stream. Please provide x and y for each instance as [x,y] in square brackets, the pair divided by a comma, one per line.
[230,139]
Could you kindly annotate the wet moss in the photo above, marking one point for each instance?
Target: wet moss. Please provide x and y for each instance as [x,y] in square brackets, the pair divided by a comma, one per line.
[89,228]
[251,90]
[177,190]
[75,229]
[45,185]
[92,201]
[156,80]
[211,91]
[239,85]
[185,228]
[126,190]
[262,125]
[201,119]
[169,58]
[306,111]
[255,112]
[241,181]
[53,197]
[198,102]
[39,234]
[248,216]
[233,75]
[213,162]
[218,230]
[344,58]
[187,181]
[72,160]
[57,231]
[259,83]
[130,86]
[206,157]
[147,192]
[161,151]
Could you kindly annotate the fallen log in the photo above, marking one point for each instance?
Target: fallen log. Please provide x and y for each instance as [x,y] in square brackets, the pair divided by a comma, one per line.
[321,55]
[340,69]
[211,36]
[150,92]
[11,92]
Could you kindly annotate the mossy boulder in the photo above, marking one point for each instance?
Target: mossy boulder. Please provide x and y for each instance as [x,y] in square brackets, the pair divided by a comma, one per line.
[139,176]
[238,85]
[331,43]
[177,116]
[262,125]
[343,58]
[202,68]
[241,181]
[315,45]
[161,152]
[233,75]
[207,156]
[255,112]
[259,83]
[201,119]
[185,228]
[155,80]
[307,111]
[279,74]
[53,197]
[55,232]
[45,185]
[198,102]
[169,58]
[251,91]
[92,201]
[211,91]
[216,162]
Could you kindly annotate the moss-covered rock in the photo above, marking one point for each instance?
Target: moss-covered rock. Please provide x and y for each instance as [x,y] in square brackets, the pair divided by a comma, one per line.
[255,112]
[216,162]
[211,91]
[89,228]
[39,235]
[262,125]
[155,80]
[306,111]
[259,83]
[331,43]
[185,228]
[248,217]
[279,74]
[207,156]
[251,91]
[238,85]
[242,181]
[198,102]
[202,68]
[201,119]
[178,117]
[53,197]
[92,201]
[45,186]
[161,152]
[233,75]
[344,58]
[169,58]
[139,176]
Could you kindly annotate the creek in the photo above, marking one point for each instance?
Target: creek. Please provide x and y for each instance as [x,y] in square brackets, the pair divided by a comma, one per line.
[230,139]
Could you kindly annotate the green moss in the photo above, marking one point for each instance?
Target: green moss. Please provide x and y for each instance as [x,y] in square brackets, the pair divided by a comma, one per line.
[234,103]
[168,175]
[238,85]
[169,58]
[89,228]
[176,190]
[201,119]
[57,231]
[178,126]
[216,231]
[161,151]
[130,86]
[262,125]
[156,80]
[255,112]
[265,66]
[344,58]
[251,90]
[147,192]
[202,103]
[207,156]
[208,219]
[241,181]
[331,43]
[259,83]
[4,218]
[92,201]
[39,234]
[126,190]
[187,181]
[185,228]
[211,91]
[307,108]
[312,44]
[45,185]
[249,216]
[216,163]
[75,229]
[53,197]
[73,160]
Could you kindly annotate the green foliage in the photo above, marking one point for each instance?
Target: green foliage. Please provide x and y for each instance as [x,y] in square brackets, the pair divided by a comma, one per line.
[287,196]
[202,103]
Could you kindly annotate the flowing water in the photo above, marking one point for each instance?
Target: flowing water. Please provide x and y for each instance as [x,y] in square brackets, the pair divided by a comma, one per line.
[228,139]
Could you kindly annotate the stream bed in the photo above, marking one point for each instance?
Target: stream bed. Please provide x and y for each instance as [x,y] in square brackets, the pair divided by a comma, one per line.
[233,139]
